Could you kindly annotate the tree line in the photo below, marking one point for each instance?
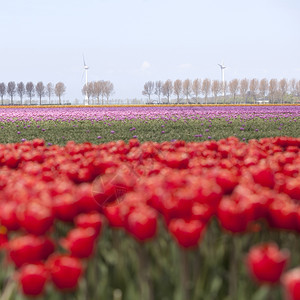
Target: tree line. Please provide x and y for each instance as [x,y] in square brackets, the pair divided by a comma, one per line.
[30,90]
[98,89]
[235,91]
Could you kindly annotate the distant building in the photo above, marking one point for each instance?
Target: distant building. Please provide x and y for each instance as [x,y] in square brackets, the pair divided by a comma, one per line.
[262,101]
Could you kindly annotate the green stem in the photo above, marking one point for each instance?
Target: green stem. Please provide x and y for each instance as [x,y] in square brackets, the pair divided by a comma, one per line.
[146,288]
[184,275]
[8,290]
[233,280]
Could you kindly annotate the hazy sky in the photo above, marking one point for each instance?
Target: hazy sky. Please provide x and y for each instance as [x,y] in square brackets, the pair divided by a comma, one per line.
[132,41]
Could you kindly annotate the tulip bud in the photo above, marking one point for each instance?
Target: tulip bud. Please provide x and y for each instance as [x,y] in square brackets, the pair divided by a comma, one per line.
[33,279]
[266,262]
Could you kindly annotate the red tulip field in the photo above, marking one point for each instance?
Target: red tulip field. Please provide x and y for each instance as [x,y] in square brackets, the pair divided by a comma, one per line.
[170,220]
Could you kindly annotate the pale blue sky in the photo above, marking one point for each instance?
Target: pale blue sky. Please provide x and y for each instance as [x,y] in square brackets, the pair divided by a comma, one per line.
[132,41]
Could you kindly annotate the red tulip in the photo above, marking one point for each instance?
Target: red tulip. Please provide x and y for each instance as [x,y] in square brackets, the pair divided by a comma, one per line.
[26,249]
[114,216]
[35,218]
[209,192]
[266,262]
[226,179]
[142,223]
[8,216]
[292,187]
[105,190]
[283,213]
[65,207]
[291,283]
[235,216]
[263,175]
[65,271]
[80,242]
[86,200]
[33,279]
[201,212]
[91,220]
[186,233]
[48,248]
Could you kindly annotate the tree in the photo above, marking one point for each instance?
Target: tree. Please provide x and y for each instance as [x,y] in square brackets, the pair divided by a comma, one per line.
[225,89]
[49,90]
[102,88]
[158,89]
[108,89]
[273,86]
[263,87]
[196,87]
[244,85]
[206,84]
[233,88]
[167,89]
[216,88]
[21,90]
[292,86]
[253,87]
[2,90]
[40,90]
[60,89]
[187,89]
[148,89]
[297,93]
[11,90]
[283,87]
[98,90]
[30,90]
[88,90]
[178,89]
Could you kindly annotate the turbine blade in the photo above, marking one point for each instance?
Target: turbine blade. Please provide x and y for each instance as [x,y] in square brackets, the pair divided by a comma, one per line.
[83,60]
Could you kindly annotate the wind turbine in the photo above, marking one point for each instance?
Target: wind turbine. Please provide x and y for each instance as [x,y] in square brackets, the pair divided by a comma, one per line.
[223,77]
[86,99]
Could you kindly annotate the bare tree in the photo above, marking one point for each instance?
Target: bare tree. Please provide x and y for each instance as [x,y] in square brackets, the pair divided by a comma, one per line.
[187,89]
[21,90]
[283,87]
[178,89]
[2,90]
[167,89]
[206,85]
[40,90]
[108,89]
[88,90]
[11,90]
[196,87]
[225,89]
[253,87]
[292,87]
[49,90]
[158,89]
[297,90]
[30,90]
[263,87]
[244,85]
[273,86]
[102,87]
[97,90]
[60,89]
[216,88]
[233,88]
[148,89]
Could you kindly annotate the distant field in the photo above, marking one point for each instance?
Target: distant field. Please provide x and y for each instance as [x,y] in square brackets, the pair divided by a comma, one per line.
[103,124]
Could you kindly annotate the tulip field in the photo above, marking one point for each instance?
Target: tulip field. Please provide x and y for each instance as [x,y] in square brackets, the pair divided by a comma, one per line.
[150,203]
